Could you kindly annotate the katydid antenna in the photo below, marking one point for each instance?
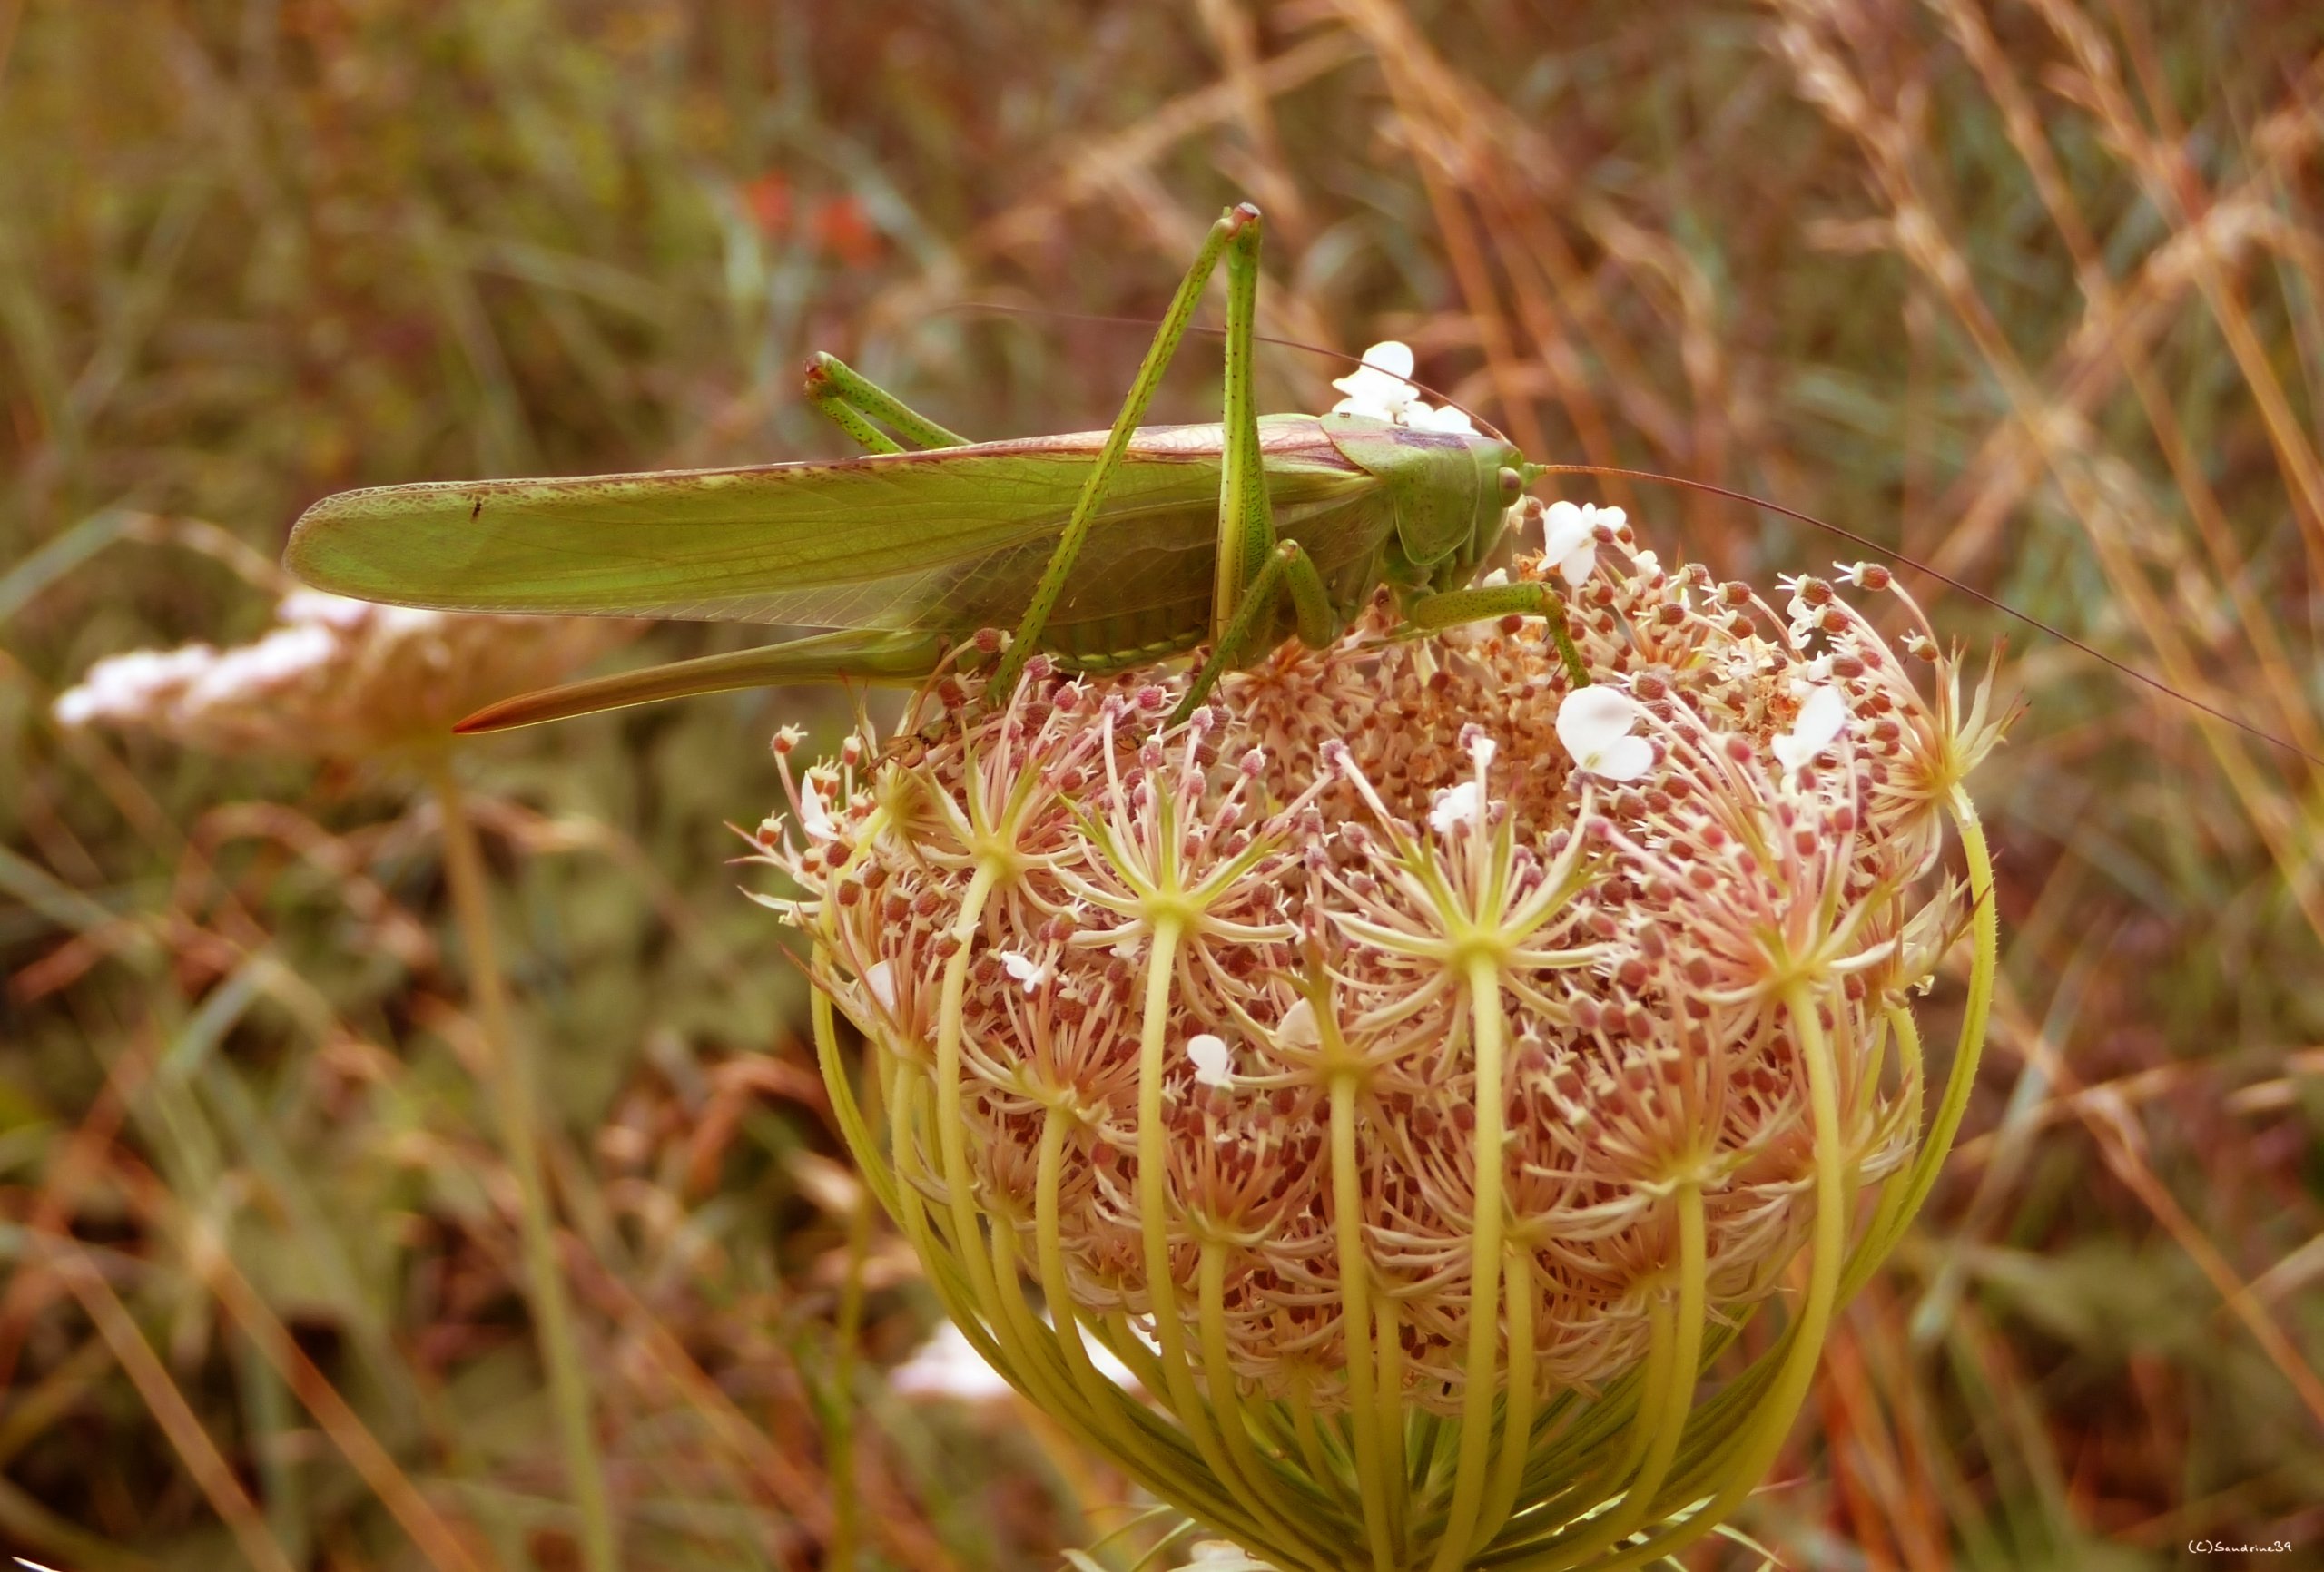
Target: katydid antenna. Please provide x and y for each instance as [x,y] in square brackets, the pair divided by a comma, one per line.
[1900,559]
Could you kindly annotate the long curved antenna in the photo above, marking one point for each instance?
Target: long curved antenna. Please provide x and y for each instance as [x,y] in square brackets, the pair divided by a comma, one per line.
[1888,553]
[1972,591]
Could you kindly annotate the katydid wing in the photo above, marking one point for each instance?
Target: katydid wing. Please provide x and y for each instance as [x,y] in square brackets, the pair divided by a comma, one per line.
[1105,549]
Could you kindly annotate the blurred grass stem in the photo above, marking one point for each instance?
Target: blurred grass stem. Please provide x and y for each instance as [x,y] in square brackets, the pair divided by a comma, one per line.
[510,1087]
[847,1530]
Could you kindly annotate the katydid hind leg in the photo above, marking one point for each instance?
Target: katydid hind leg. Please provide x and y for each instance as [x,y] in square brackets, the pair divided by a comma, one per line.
[1175,322]
[848,655]
[852,401]
[1245,519]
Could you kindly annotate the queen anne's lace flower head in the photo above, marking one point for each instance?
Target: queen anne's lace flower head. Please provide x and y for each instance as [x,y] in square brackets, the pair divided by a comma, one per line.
[1408,1050]
[335,677]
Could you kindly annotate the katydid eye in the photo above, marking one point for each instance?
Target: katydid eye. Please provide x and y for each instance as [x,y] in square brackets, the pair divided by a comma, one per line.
[1511,483]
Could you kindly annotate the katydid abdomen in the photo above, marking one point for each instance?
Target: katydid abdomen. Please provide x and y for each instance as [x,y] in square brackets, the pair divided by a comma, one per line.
[898,546]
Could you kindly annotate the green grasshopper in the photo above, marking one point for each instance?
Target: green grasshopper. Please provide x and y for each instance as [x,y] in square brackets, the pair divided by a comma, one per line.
[1103,550]
[1138,542]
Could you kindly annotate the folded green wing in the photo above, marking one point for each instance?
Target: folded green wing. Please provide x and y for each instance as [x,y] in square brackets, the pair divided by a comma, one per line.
[950,539]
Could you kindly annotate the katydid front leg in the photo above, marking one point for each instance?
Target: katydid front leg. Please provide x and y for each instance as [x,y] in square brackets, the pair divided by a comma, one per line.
[1238,227]
[1288,569]
[1449,608]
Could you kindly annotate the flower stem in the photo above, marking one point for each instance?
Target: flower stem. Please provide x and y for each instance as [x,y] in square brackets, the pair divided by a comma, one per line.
[509,1085]
[1754,1451]
[1518,1405]
[1287,1542]
[1355,1316]
[838,1422]
[1669,1394]
[1483,1366]
[1984,936]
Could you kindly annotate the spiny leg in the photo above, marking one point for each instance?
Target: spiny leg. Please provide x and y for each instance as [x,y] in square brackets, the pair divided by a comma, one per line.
[1245,518]
[847,397]
[851,655]
[1449,608]
[1286,568]
[1231,226]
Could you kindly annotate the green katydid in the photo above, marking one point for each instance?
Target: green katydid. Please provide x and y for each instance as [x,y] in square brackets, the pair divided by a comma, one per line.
[1103,549]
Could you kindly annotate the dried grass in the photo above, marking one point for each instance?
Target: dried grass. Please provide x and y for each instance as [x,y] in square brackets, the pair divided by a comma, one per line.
[2032,291]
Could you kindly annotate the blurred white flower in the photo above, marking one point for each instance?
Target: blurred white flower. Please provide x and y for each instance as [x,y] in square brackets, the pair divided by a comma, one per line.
[1382,387]
[1819,720]
[948,1366]
[336,677]
[309,605]
[1209,1055]
[1456,805]
[126,687]
[1569,541]
[882,980]
[1595,725]
[250,670]
[1422,417]
[1025,969]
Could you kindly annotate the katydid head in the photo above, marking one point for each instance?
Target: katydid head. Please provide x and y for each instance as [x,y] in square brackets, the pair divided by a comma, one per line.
[1452,490]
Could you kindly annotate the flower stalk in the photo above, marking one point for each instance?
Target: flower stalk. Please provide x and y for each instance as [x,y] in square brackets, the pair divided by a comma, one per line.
[509,1085]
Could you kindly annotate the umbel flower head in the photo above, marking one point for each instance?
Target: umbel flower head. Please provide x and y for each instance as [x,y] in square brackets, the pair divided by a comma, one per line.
[1416,1071]
[336,678]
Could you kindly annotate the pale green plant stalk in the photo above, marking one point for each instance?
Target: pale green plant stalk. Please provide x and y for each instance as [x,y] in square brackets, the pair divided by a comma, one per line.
[839,1420]
[509,1087]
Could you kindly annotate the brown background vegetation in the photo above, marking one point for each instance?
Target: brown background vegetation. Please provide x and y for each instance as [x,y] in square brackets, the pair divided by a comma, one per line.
[2031,289]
